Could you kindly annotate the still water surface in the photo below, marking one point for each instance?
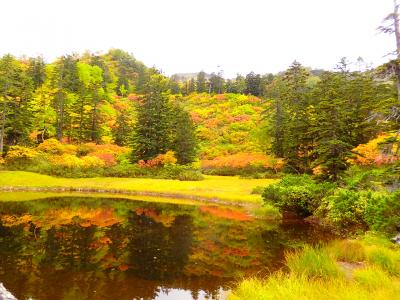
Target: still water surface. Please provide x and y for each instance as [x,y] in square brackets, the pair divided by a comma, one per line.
[100,248]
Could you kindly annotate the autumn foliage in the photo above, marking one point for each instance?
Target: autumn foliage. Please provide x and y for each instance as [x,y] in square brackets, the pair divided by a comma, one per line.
[380,151]
[159,161]
[244,160]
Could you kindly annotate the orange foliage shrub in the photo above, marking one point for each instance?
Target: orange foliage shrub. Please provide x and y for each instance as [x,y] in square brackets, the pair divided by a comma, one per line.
[240,118]
[243,160]
[196,118]
[160,160]
[212,123]
[133,97]
[108,158]
[253,99]
[107,153]
[106,148]
[373,153]
[220,97]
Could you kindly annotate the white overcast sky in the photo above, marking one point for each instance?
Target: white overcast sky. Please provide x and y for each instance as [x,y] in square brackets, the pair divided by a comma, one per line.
[192,35]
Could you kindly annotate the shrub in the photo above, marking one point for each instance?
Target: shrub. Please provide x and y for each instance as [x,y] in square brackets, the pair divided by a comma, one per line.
[382,211]
[108,158]
[65,160]
[20,155]
[258,190]
[298,193]
[84,150]
[373,152]
[361,178]
[190,175]
[159,161]
[88,162]
[234,163]
[52,146]
[168,158]
[346,207]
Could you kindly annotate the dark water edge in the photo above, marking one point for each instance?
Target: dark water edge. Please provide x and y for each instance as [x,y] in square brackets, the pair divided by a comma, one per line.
[104,248]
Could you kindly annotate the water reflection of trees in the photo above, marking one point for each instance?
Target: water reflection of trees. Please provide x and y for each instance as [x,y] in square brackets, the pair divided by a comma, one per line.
[105,249]
[158,252]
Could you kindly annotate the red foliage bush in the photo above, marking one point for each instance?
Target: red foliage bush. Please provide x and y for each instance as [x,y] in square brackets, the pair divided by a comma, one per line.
[220,97]
[196,118]
[108,158]
[243,160]
[240,118]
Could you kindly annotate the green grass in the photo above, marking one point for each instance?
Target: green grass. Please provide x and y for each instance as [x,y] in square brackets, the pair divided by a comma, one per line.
[373,264]
[293,287]
[225,188]
[372,277]
[313,263]
[387,259]
[351,251]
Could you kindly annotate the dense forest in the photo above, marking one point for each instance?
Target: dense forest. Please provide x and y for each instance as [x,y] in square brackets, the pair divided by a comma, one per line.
[90,110]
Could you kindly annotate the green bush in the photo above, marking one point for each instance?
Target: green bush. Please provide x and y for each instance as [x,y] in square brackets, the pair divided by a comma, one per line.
[345,207]
[376,210]
[181,172]
[258,190]
[359,178]
[248,171]
[190,175]
[297,193]
[382,212]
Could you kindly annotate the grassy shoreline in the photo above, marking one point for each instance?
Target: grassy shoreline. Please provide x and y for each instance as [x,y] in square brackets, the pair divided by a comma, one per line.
[218,189]
[364,268]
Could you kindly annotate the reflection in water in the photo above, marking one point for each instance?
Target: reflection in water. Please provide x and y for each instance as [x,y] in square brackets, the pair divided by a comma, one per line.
[86,248]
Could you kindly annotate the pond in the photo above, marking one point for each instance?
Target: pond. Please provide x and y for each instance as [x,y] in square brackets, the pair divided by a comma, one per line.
[104,248]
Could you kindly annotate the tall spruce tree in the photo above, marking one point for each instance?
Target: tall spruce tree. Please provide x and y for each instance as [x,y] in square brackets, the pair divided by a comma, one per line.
[294,96]
[201,82]
[152,130]
[184,141]
[253,84]
[16,89]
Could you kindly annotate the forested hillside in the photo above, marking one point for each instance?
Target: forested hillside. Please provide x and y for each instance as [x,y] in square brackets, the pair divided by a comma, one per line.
[300,120]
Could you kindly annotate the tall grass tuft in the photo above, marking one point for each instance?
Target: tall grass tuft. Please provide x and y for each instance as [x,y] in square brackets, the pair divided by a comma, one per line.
[294,287]
[313,263]
[372,277]
[387,259]
[347,250]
